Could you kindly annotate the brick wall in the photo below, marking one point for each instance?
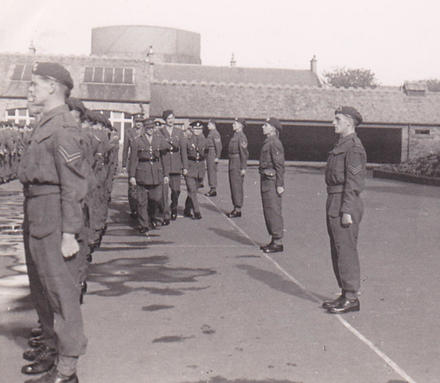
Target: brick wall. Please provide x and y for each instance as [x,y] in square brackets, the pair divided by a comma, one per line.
[423,140]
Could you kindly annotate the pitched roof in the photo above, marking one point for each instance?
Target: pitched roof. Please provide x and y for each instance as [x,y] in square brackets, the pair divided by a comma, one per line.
[192,99]
[200,73]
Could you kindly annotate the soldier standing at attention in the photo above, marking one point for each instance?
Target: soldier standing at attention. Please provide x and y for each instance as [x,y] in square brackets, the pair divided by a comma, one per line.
[177,157]
[238,156]
[272,184]
[55,184]
[196,168]
[130,134]
[148,171]
[214,153]
[345,179]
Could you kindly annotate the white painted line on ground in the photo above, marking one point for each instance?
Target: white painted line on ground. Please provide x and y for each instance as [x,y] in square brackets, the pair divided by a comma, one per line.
[400,371]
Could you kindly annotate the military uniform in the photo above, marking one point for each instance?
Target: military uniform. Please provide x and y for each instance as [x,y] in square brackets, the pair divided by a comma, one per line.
[345,179]
[178,160]
[196,149]
[130,134]
[148,166]
[238,155]
[271,171]
[214,152]
[54,180]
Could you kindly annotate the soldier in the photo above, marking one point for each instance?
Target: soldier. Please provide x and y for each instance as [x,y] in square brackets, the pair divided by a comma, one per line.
[345,179]
[148,171]
[54,183]
[130,134]
[272,184]
[196,147]
[214,153]
[177,157]
[238,156]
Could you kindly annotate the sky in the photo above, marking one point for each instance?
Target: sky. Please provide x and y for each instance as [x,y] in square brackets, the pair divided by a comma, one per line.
[396,40]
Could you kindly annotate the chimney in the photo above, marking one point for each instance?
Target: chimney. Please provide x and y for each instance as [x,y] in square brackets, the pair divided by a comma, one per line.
[233,63]
[32,49]
[314,65]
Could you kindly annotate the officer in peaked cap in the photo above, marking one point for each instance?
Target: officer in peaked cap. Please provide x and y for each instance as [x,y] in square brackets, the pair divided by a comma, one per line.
[212,158]
[177,157]
[271,171]
[238,155]
[196,150]
[345,179]
[55,183]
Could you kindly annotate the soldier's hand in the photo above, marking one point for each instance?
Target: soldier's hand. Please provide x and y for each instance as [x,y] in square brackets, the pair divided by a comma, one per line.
[216,160]
[124,171]
[166,180]
[242,172]
[132,181]
[346,220]
[69,245]
[280,190]
[185,172]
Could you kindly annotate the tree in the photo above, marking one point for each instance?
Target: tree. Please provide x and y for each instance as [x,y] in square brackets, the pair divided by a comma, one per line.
[433,85]
[355,78]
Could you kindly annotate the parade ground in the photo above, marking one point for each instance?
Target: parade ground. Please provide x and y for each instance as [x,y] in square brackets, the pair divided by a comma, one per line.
[197,301]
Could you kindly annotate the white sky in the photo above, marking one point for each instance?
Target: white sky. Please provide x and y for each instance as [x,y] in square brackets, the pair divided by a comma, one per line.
[397,40]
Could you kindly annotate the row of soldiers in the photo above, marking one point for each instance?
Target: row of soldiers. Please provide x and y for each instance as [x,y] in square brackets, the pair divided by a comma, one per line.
[156,154]
[12,139]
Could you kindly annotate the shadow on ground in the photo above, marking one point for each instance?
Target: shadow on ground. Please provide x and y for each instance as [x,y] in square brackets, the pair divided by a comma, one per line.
[277,282]
[219,379]
[232,235]
[118,276]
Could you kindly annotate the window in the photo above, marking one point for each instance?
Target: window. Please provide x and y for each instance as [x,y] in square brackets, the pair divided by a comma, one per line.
[18,116]
[109,75]
[423,131]
[22,72]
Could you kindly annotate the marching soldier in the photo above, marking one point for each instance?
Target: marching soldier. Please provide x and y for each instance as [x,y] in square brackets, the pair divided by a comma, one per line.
[238,155]
[177,157]
[345,179]
[54,182]
[196,147]
[148,171]
[272,184]
[130,134]
[214,153]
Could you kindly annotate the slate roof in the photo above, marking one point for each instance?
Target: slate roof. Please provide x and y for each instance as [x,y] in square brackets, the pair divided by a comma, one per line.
[200,73]
[139,91]
[386,106]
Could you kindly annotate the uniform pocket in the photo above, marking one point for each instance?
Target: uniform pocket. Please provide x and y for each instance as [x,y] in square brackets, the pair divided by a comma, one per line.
[44,213]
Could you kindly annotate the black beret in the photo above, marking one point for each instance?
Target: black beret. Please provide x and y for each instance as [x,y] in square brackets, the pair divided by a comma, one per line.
[76,104]
[275,123]
[55,71]
[242,121]
[197,124]
[350,111]
[166,113]
[91,116]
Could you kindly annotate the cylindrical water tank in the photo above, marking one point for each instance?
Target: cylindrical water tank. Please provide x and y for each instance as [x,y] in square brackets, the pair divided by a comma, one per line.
[169,45]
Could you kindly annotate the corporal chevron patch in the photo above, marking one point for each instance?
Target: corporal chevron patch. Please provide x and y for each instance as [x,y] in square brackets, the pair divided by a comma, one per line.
[355,169]
[68,157]
[243,144]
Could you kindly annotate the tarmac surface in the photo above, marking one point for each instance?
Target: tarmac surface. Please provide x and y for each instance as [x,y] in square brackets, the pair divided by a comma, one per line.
[197,301]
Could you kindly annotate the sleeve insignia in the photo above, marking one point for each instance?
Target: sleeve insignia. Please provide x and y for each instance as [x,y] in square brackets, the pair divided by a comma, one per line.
[355,169]
[243,144]
[68,157]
